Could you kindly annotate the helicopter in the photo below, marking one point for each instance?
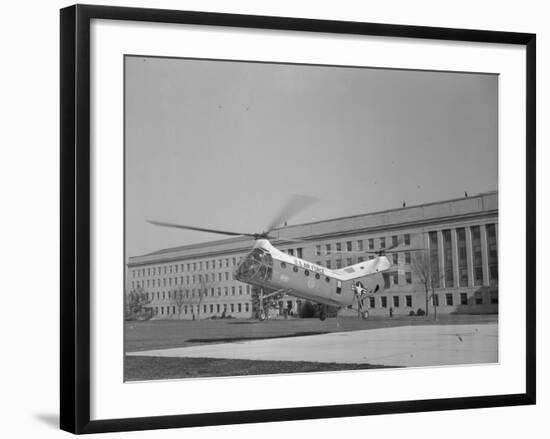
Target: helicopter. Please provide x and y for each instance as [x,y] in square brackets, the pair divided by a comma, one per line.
[271,269]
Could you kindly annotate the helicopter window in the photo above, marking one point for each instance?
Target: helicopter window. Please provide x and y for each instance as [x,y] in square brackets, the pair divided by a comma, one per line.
[327,279]
[283,265]
[295,269]
[306,272]
[317,276]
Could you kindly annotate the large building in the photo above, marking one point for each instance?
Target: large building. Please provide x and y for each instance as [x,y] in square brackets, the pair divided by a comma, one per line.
[460,237]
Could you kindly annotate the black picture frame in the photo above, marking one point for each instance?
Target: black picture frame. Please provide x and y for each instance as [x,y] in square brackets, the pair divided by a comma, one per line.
[75,217]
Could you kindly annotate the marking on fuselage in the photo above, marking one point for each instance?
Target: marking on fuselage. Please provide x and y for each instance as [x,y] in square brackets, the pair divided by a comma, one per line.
[283,278]
[311,283]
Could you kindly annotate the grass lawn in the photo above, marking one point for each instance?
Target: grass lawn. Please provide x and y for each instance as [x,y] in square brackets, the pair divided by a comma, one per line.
[158,368]
[163,334]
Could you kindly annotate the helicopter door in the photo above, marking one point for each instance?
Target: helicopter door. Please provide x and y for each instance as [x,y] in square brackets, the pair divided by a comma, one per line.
[339,287]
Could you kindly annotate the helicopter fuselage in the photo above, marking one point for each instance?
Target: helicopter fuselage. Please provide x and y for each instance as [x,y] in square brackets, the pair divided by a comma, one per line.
[270,268]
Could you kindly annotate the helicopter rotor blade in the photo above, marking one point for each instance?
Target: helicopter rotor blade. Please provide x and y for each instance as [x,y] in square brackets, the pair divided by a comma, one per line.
[199,229]
[294,205]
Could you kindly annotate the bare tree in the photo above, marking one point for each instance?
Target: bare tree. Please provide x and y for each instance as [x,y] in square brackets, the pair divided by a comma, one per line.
[426,268]
[179,300]
[136,303]
[194,298]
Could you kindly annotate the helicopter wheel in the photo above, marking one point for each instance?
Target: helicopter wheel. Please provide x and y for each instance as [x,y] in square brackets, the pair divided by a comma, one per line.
[262,315]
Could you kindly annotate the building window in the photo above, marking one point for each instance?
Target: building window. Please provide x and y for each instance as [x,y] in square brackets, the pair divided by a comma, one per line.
[492,253]
[360,245]
[239,307]
[462,257]
[409,301]
[407,258]
[226,291]
[449,299]
[328,264]
[394,241]
[240,290]
[384,302]
[348,246]
[408,277]
[407,239]
[219,291]
[434,257]
[328,249]
[248,289]
[338,263]
[371,302]
[217,307]
[211,308]
[383,242]
[395,258]
[478,298]
[476,250]
[299,252]
[360,259]
[232,307]
[464,298]
[318,250]
[232,291]
[436,299]
[246,307]
[396,301]
[448,258]
[395,278]
[349,261]
[371,244]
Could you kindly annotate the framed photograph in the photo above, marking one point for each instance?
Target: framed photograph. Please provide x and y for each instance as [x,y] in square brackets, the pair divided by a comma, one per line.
[276,218]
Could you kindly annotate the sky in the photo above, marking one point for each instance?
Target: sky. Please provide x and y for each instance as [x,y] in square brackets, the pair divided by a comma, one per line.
[223,144]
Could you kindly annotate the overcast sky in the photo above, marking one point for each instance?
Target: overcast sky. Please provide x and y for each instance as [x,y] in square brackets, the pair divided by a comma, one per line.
[224,144]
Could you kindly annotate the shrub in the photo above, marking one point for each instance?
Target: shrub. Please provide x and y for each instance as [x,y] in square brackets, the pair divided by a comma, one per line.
[420,312]
[411,312]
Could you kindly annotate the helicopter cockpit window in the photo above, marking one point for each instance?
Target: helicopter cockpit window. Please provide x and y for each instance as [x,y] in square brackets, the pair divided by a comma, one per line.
[257,267]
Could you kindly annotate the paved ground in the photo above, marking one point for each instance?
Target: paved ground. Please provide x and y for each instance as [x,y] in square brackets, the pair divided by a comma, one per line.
[400,346]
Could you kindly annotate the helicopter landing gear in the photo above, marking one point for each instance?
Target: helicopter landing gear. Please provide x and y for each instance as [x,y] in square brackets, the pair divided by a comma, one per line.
[323,313]
[262,316]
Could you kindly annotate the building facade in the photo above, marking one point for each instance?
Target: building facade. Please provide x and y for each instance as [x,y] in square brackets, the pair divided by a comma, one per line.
[459,238]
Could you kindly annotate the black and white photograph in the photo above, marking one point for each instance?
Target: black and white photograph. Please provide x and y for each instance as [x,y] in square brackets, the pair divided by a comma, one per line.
[288,218]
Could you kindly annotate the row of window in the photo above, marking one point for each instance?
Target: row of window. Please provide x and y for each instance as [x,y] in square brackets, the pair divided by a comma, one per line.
[463,299]
[211,308]
[187,280]
[360,244]
[190,266]
[211,292]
